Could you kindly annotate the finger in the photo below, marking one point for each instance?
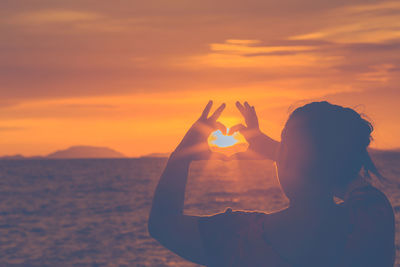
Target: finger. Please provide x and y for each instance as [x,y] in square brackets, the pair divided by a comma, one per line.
[255,118]
[253,111]
[236,128]
[247,106]
[240,108]
[206,110]
[217,113]
[220,127]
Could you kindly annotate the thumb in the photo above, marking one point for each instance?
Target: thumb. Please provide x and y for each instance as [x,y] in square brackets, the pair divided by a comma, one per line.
[237,128]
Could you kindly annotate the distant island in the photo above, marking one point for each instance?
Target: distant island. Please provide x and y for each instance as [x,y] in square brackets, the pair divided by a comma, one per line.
[86,152]
[75,152]
[18,156]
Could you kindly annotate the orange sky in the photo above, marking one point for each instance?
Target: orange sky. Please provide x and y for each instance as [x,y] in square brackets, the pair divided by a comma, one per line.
[133,75]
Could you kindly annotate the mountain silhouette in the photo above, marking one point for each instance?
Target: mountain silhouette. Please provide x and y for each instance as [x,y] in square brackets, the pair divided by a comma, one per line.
[86,152]
[156,155]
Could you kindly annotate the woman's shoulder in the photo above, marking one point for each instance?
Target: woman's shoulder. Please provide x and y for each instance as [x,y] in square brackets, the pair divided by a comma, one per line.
[367,192]
[367,203]
[372,226]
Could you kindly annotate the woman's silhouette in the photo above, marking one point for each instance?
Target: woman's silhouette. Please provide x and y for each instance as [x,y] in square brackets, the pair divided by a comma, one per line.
[322,151]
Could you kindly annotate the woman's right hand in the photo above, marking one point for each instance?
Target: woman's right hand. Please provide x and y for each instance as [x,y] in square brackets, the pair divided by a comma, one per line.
[252,129]
[260,145]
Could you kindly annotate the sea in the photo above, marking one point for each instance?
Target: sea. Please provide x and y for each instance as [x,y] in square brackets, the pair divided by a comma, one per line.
[93,212]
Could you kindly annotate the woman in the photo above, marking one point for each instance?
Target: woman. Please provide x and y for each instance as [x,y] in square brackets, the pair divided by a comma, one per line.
[322,150]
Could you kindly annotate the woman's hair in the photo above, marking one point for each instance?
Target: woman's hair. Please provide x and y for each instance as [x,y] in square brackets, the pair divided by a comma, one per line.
[338,136]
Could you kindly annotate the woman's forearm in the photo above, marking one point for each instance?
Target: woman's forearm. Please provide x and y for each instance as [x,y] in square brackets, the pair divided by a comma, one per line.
[265,146]
[169,195]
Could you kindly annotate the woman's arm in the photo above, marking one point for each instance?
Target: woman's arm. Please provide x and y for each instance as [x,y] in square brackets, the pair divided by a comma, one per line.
[261,146]
[167,223]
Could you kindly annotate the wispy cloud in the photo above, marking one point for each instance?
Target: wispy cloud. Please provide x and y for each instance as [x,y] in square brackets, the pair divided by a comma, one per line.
[378,73]
[368,23]
[71,21]
[55,16]
[252,54]
[248,48]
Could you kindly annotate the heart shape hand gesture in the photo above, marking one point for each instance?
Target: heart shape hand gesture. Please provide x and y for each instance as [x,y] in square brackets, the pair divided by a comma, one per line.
[194,145]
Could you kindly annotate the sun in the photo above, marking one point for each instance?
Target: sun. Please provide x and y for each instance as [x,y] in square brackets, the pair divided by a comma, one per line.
[227,144]
[220,140]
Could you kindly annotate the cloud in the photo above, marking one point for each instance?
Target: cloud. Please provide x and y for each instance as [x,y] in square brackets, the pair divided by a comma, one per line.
[247,48]
[242,42]
[55,16]
[378,73]
[253,55]
[380,6]
[153,46]
[366,23]
[73,22]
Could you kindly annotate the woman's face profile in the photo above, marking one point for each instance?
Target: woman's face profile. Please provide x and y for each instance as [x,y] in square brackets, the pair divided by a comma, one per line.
[294,165]
[286,172]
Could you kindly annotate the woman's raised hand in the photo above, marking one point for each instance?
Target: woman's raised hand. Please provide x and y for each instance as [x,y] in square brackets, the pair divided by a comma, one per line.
[252,129]
[261,146]
[194,145]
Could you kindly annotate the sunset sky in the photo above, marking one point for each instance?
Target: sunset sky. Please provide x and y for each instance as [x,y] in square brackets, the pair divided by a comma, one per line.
[134,75]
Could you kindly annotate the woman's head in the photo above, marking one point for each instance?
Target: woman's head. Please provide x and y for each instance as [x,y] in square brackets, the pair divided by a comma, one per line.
[323,148]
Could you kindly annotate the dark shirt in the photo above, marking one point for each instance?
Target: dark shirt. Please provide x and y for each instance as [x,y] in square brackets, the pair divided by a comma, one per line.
[237,238]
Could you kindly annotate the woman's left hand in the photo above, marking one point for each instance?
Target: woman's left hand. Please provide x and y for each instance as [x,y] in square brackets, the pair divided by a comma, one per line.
[194,145]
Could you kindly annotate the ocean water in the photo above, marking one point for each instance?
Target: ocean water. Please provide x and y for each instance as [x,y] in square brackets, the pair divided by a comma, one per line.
[93,212]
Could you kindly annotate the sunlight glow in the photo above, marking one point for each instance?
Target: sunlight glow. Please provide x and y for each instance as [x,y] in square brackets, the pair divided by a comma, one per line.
[227,144]
[221,140]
